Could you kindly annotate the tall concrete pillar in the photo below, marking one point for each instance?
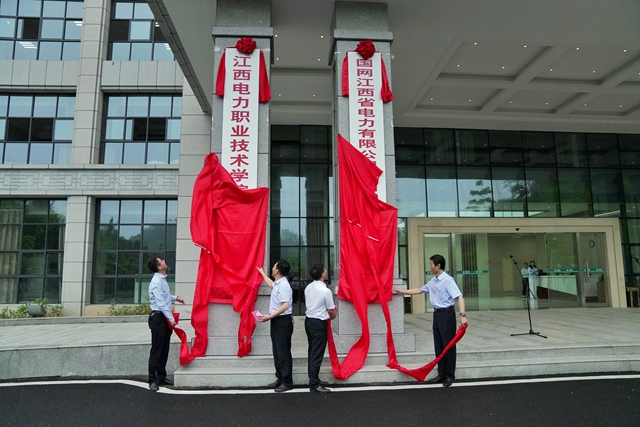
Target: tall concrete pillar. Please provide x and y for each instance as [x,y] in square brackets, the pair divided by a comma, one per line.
[352,23]
[236,19]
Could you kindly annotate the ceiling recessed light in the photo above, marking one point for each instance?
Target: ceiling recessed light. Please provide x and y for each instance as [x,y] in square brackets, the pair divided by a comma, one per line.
[318,59]
[585,105]
[550,69]
[279,94]
[503,68]
[624,51]
[432,99]
[314,95]
[277,59]
[458,65]
[510,102]
[594,71]
[525,45]
[577,48]
[321,37]
[469,100]
[620,106]
[475,43]
[546,103]
[276,35]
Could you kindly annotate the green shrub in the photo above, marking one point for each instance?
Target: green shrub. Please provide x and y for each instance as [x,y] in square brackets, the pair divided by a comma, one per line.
[7,313]
[128,310]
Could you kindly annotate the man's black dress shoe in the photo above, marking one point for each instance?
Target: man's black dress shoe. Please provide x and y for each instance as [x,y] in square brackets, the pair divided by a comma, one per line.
[320,389]
[447,382]
[274,384]
[282,388]
[165,381]
[436,380]
[154,386]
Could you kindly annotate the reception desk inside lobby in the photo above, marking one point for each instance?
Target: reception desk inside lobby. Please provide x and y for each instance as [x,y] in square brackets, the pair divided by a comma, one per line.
[567,284]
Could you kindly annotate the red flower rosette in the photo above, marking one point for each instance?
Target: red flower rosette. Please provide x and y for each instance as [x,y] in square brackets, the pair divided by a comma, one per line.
[366,49]
[246,45]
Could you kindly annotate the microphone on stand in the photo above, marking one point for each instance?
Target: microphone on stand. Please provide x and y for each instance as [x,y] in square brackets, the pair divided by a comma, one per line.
[516,262]
[636,259]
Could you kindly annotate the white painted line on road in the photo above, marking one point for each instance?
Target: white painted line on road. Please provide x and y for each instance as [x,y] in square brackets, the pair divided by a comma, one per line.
[339,389]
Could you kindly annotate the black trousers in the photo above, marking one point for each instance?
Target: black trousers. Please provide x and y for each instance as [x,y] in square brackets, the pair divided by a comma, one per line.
[525,286]
[160,342]
[316,330]
[444,329]
[281,331]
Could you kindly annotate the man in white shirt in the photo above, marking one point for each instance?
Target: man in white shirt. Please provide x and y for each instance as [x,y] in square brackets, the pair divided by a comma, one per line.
[280,316]
[320,308]
[160,300]
[443,294]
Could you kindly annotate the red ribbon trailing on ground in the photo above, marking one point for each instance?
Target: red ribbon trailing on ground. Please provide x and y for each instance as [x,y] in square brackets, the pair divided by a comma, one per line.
[368,231]
[184,343]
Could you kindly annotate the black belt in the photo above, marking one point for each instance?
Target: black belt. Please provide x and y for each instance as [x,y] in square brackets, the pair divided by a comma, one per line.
[444,309]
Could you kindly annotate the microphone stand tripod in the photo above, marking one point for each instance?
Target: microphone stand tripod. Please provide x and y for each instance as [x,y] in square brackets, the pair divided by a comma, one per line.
[529,291]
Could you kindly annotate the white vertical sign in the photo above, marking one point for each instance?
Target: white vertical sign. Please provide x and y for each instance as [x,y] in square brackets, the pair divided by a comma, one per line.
[240,117]
[366,120]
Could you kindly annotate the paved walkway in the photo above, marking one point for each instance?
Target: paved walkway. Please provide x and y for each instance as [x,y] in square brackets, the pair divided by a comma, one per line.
[489,330]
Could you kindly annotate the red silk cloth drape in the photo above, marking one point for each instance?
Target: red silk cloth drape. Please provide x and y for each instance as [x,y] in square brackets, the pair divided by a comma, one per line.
[367,250]
[385,90]
[368,230]
[229,225]
[264,94]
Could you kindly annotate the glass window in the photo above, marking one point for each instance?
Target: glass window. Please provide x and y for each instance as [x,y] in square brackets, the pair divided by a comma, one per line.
[505,139]
[472,147]
[314,144]
[135,35]
[53,8]
[542,193]
[509,192]
[62,154]
[608,195]
[442,192]
[7,27]
[140,30]
[73,30]
[575,193]
[439,147]
[52,29]
[8,7]
[411,197]
[6,49]
[571,150]
[603,150]
[629,142]
[314,192]
[125,243]
[128,118]
[63,130]
[75,9]
[506,156]
[35,122]
[539,149]
[33,232]
[70,51]
[29,7]
[631,180]
[50,51]
[474,192]
[285,190]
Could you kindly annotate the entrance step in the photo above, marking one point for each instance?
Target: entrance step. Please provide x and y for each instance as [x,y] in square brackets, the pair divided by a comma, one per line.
[258,371]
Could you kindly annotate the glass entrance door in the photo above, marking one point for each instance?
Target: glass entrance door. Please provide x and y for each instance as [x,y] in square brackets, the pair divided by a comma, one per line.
[558,286]
[592,256]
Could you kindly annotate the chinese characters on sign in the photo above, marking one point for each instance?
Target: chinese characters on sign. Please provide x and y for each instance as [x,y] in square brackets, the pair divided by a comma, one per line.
[240,117]
[366,121]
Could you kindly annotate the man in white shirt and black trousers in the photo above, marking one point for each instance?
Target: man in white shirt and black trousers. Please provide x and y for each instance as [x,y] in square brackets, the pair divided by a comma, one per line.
[320,308]
[443,293]
[160,300]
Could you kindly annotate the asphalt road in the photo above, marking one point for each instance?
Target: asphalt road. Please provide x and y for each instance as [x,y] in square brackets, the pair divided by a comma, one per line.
[592,401]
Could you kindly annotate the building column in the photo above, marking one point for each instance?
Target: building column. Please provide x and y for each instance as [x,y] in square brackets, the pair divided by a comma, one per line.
[85,148]
[78,255]
[236,19]
[352,23]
